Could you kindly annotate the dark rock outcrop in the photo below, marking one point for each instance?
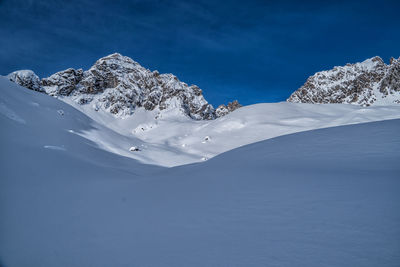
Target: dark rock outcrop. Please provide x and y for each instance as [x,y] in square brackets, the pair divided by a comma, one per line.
[222,110]
[62,83]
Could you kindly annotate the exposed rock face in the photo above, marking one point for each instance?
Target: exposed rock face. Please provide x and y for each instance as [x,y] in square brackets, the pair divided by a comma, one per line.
[62,83]
[26,78]
[119,85]
[366,83]
[222,110]
[391,81]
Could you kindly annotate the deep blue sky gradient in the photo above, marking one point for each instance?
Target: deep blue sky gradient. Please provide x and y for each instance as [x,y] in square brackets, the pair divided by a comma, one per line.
[254,51]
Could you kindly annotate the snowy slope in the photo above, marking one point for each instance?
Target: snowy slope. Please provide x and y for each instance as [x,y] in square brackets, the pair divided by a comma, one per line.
[171,138]
[327,197]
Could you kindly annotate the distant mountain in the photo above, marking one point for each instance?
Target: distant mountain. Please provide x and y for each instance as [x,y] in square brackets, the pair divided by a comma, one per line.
[371,82]
[119,85]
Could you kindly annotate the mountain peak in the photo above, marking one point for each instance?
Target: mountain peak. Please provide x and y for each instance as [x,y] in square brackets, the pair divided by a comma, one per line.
[116,59]
[119,85]
[115,55]
[370,82]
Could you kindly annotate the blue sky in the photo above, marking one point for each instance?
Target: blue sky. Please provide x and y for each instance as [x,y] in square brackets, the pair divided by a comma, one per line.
[253,51]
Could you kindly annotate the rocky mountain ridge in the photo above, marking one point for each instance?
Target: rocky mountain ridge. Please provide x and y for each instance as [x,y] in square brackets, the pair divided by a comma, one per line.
[119,85]
[371,82]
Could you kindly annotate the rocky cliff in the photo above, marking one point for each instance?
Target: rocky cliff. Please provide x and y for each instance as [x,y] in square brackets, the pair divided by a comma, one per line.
[371,82]
[119,85]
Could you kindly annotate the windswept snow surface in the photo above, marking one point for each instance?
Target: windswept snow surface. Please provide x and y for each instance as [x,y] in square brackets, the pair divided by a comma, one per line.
[328,197]
[168,138]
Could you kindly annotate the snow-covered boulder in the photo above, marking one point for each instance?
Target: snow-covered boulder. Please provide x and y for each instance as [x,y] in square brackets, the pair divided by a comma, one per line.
[26,78]
[366,83]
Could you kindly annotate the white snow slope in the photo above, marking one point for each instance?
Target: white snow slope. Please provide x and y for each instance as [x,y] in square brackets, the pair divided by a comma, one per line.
[169,138]
[328,197]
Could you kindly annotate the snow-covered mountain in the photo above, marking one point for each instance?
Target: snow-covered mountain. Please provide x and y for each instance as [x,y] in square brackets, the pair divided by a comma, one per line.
[149,116]
[328,197]
[371,82]
[119,85]
[172,138]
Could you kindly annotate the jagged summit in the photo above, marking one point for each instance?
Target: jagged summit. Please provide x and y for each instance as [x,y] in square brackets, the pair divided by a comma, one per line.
[366,83]
[119,85]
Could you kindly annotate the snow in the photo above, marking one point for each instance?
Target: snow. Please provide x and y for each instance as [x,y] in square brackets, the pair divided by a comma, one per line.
[173,139]
[5,111]
[369,64]
[55,147]
[134,148]
[328,197]
[370,82]
[26,78]
[116,84]
[22,74]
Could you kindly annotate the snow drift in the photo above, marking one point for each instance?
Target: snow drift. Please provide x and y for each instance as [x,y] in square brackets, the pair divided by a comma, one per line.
[326,197]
